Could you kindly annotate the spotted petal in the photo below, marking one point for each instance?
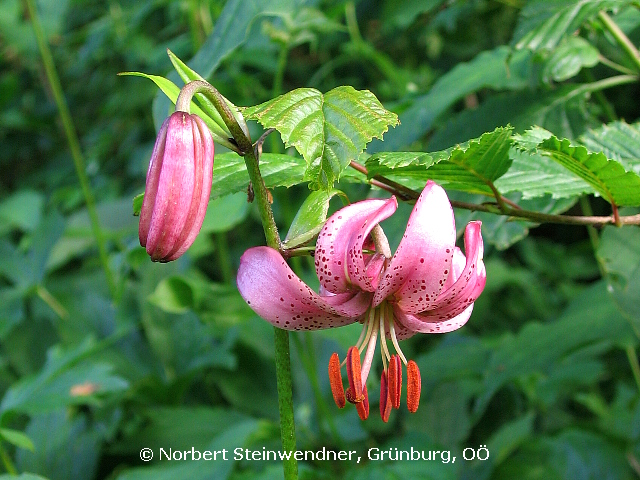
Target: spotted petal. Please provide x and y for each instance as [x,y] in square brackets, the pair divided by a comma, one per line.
[469,285]
[407,325]
[421,265]
[337,242]
[277,294]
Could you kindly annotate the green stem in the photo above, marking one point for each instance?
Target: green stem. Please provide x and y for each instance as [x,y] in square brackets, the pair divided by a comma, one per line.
[50,300]
[281,337]
[633,362]
[74,143]
[222,248]
[6,461]
[621,38]
[285,401]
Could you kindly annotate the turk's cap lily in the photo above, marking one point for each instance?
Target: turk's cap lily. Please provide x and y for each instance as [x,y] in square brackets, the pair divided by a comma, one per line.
[427,286]
[178,187]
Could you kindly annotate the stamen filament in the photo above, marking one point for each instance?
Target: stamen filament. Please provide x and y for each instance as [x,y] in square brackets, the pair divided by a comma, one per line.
[384,349]
[364,334]
[371,348]
[392,332]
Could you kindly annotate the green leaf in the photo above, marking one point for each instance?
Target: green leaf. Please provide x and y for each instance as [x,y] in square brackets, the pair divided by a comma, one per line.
[11,309]
[22,476]
[230,31]
[609,178]
[535,175]
[233,437]
[543,24]
[619,254]
[171,90]
[21,210]
[328,130]
[180,427]
[403,17]
[173,295]
[66,446]
[509,437]
[563,110]
[278,170]
[67,378]
[310,218]
[591,318]
[569,58]
[137,204]
[17,438]
[619,141]
[498,69]
[188,75]
[224,213]
[468,168]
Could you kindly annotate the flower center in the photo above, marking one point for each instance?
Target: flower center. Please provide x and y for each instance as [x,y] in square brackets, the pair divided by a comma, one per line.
[376,320]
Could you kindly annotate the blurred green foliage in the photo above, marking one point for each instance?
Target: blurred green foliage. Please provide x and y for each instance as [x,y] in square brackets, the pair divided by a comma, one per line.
[545,374]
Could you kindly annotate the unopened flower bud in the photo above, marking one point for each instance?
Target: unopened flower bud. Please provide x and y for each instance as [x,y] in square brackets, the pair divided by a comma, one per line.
[178,187]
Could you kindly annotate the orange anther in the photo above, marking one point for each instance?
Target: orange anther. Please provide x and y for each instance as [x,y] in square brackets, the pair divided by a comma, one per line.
[335,380]
[395,380]
[385,399]
[363,406]
[414,385]
[354,375]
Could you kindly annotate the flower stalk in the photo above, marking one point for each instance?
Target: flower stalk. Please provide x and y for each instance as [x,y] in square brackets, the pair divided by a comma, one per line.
[74,145]
[261,197]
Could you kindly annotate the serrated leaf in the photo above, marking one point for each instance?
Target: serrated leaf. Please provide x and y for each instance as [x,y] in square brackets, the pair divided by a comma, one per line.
[543,23]
[171,90]
[310,218]
[278,170]
[536,175]
[329,130]
[467,168]
[608,177]
[619,141]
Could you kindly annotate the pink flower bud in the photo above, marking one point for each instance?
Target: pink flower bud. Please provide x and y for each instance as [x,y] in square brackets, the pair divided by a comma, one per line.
[178,187]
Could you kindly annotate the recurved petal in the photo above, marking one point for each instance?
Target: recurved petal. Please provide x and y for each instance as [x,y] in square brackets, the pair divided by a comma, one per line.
[421,265]
[469,284]
[408,325]
[363,269]
[334,241]
[274,292]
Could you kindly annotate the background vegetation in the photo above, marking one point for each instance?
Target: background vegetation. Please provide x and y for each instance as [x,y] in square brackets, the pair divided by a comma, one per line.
[103,353]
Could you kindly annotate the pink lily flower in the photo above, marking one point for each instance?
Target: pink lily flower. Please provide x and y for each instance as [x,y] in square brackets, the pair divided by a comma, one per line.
[428,286]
